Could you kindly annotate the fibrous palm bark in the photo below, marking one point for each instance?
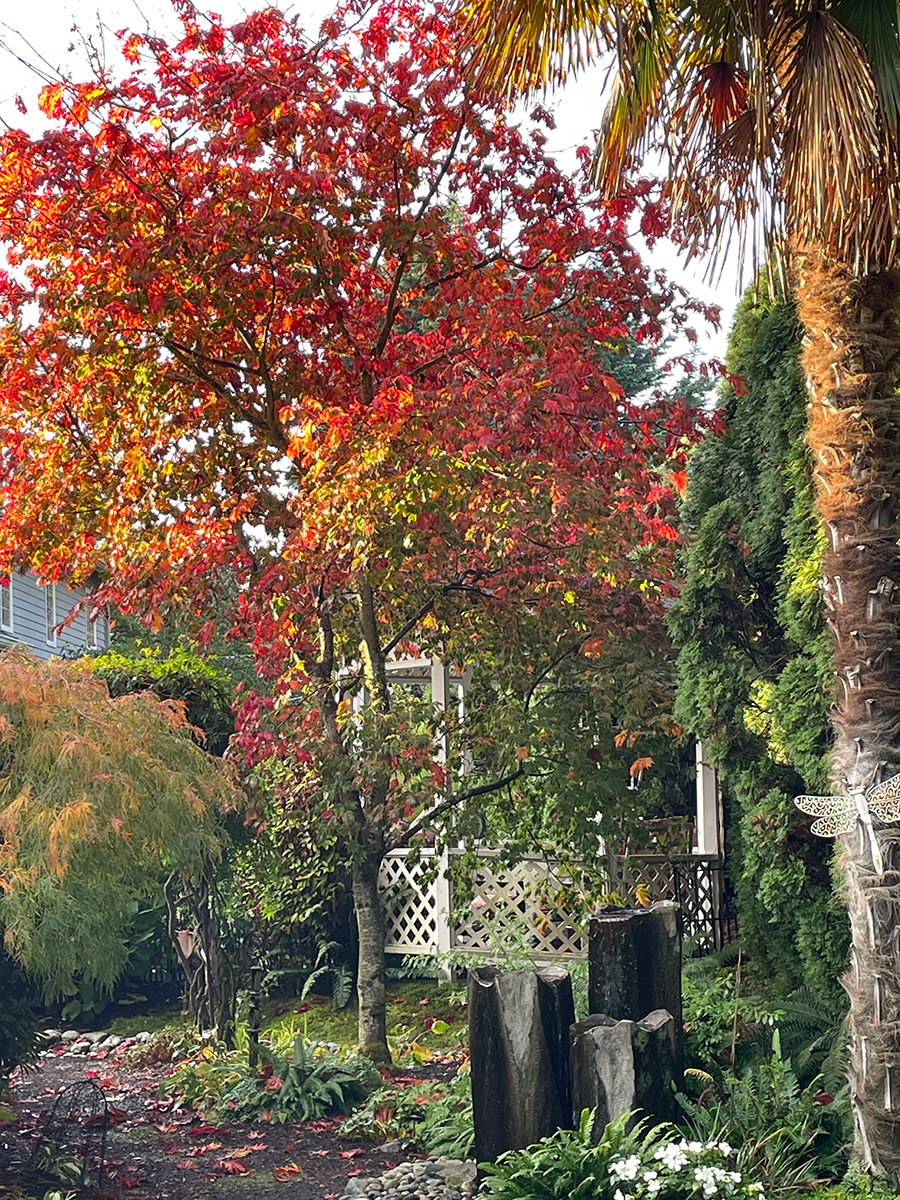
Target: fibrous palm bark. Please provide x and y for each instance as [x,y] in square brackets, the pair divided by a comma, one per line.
[851,359]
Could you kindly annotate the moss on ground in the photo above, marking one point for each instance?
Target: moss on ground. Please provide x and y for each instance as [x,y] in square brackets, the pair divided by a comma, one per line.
[410,1005]
[169,1020]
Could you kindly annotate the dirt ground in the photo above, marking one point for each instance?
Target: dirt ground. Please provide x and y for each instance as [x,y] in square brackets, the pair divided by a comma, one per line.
[157,1151]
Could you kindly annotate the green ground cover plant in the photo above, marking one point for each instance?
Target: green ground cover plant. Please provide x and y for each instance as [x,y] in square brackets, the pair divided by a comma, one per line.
[785,1135]
[308,1082]
[436,1117]
[629,1162]
[425,1010]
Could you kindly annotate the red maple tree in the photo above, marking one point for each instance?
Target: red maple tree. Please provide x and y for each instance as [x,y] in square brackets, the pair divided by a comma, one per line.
[315,314]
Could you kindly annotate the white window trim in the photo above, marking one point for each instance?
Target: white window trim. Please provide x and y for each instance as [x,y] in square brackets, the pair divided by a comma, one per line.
[7,626]
[51,614]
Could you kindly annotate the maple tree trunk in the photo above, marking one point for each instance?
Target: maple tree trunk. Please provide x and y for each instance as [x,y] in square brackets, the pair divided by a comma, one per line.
[851,360]
[370,987]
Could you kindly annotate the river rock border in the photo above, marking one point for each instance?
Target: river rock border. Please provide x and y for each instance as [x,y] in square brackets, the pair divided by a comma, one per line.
[427,1179]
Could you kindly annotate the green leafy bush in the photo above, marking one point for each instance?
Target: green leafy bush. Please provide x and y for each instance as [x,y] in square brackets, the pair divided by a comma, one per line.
[857,1186]
[786,1135]
[436,1116]
[709,1016]
[625,1164]
[307,1083]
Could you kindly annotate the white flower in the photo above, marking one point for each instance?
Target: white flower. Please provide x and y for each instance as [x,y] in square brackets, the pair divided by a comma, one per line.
[617,1195]
[725,1149]
[671,1155]
[694,1147]
[627,1168]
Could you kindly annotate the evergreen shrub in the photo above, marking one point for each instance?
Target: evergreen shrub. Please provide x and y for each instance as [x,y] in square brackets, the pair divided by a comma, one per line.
[755,675]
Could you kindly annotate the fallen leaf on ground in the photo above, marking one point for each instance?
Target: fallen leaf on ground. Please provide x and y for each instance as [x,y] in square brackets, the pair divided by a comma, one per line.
[282,1174]
[232,1166]
[351,1153]
[187,1164]
[320,1153]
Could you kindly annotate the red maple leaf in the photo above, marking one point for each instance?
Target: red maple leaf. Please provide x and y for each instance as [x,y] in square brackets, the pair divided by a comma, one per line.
[232,1166]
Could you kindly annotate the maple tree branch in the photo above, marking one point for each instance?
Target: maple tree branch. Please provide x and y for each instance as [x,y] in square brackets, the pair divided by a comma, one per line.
[269,422]
[564,303]
[171,344]
[390,314]
[445,590]
[551,666]
[470,268]
[76,427]
[445,166]
[190,360]
[485,789]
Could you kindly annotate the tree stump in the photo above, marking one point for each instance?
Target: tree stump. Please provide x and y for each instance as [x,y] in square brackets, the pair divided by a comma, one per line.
[619,1066]
[519,1046]
[634,965]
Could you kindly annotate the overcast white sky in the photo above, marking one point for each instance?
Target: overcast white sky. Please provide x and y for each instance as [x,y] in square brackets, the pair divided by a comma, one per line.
[44,28]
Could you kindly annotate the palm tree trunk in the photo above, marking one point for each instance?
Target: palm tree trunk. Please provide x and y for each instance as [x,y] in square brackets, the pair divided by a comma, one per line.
[851,360]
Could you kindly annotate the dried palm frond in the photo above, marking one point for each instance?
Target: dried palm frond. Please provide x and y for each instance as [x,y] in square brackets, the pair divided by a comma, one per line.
[777,119]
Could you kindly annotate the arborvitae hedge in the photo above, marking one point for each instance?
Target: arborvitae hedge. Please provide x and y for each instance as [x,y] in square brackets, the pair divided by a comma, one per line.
[754,668]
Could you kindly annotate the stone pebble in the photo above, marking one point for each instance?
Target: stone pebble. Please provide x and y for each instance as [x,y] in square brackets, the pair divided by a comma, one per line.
[426,1179]
[77,1042]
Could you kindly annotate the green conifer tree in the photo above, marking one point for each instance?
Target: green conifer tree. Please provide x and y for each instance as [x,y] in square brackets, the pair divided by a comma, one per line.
[754,667]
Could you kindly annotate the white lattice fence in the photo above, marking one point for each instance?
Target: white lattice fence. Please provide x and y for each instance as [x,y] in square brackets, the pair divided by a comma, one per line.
[410,890]
[517,894]
[419,899]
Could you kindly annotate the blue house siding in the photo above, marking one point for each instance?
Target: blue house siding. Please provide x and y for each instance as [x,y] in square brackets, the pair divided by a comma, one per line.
[29,619]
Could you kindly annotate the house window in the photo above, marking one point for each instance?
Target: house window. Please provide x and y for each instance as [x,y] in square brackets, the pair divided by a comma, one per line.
[50,609]
[93,639]
[6,610]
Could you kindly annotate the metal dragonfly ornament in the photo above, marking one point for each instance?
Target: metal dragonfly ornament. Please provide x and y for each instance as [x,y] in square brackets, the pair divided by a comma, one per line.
[839,814]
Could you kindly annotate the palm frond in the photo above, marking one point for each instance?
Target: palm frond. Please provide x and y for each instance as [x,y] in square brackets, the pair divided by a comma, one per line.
[521,45]
[833,148]
[875,26]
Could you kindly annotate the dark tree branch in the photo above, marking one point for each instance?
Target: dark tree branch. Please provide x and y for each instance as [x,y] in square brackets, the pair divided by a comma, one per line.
[454,801]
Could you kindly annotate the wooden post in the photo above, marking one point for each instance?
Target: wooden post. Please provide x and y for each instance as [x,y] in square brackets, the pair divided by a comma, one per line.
[254,1016]
[443,913]
[709,819]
